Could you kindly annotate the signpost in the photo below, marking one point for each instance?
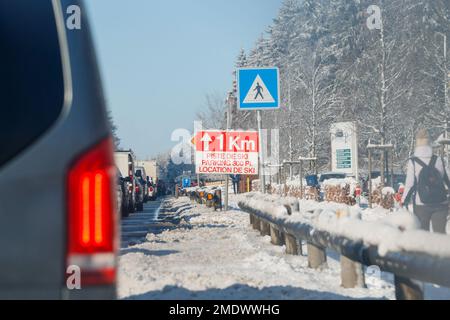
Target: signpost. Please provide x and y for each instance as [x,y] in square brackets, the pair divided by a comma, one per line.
[258,89]
[226,152]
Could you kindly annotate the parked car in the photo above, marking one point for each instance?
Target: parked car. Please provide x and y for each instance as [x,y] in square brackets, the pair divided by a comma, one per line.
[120,194]
[125,161]
[399,178]
[143,183]
[331,175]
[152,191]
[123,194]
[140,173]
[139,194]
[56,148]
[161,188]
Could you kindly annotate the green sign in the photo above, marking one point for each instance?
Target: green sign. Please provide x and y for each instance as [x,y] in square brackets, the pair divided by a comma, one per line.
[344,158]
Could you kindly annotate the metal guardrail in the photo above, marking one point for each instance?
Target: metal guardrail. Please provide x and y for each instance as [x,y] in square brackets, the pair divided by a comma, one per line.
[354,254]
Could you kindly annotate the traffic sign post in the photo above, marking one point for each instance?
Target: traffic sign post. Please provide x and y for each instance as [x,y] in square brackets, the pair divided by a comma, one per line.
[258,89]
[226,152]
[262,177]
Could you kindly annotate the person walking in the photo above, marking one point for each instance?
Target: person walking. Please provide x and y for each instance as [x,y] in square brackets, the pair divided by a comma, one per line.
[235,178]
[425,186]
[259,90]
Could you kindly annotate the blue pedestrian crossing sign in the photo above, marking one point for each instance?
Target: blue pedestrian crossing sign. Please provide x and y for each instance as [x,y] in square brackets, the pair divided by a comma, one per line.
[186,182]
[258,88]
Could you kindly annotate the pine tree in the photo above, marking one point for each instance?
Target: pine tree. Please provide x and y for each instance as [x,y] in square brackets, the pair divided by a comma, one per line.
[114,129]
[333,68]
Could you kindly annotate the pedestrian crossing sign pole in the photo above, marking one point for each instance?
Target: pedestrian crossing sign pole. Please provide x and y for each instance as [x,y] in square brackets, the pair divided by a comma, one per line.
[258,89]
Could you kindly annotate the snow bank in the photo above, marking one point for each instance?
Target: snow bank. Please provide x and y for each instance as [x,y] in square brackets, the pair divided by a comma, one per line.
[215,255]
[386,191]
[191,189]
[376,183]
[295,181]
[342,183]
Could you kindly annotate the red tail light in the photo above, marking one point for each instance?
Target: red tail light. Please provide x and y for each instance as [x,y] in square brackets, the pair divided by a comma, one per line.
[92,224]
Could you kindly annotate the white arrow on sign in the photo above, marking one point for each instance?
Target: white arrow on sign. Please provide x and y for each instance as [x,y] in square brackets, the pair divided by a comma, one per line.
[206,141]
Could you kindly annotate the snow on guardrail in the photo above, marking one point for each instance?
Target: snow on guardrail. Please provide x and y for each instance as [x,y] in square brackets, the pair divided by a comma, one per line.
[392,244]
[397,232]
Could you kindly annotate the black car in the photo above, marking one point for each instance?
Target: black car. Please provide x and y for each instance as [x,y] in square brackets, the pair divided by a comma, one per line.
[399,178]
[161,188]
[140,174]
[139,194]
[123,195]
[331,175]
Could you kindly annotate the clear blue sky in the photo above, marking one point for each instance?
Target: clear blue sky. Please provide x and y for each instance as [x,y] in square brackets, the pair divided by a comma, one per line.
[160,58]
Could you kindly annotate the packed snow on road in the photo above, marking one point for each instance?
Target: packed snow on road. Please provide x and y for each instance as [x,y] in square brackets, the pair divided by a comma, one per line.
[217,255]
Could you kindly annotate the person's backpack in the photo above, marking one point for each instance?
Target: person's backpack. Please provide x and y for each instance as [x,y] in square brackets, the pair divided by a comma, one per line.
[430,185]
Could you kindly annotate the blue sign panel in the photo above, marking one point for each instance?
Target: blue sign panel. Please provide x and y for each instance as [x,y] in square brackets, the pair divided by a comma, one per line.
[258,88]
[186,182]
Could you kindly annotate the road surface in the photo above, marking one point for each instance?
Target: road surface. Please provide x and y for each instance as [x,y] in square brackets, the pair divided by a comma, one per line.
[135,228]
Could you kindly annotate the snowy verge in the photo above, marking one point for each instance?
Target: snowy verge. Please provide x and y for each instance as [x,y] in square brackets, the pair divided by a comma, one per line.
[216,255]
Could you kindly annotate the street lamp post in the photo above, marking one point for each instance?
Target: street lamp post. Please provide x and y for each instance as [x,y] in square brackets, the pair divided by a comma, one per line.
[300,162]
[445,90]
[277,166]
[230,102]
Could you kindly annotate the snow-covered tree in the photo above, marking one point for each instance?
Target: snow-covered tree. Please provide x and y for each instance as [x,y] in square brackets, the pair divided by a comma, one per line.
[391,81]
[113,128]
[212,113]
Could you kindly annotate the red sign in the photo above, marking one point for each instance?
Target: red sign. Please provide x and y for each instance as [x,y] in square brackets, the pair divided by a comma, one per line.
[227,152]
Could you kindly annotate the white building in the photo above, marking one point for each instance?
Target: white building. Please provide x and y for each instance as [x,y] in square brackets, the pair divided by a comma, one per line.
[151,168]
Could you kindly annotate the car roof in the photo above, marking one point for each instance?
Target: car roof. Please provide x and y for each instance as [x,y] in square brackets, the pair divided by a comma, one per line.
[333,173]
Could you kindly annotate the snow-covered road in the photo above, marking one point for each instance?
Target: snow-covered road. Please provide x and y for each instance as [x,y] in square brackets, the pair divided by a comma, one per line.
[216,255]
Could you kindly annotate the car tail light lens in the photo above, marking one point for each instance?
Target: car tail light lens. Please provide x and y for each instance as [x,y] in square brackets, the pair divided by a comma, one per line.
[92,218]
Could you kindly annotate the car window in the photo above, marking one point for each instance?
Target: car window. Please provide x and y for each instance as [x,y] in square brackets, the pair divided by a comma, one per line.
[331,176]
[31,85]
